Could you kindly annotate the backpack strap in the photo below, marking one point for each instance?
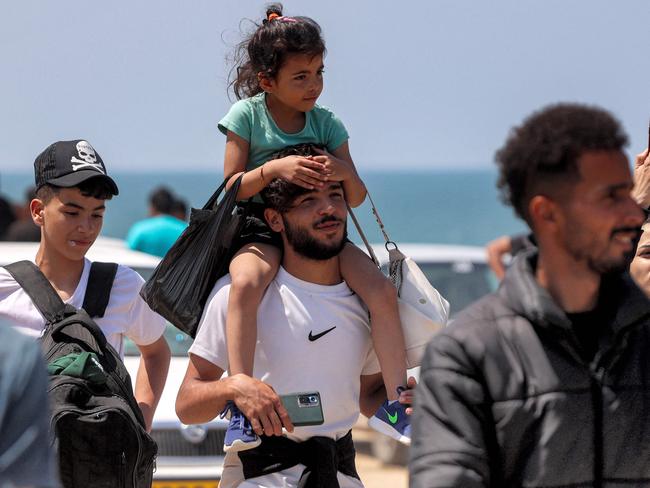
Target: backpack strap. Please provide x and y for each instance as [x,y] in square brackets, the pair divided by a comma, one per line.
[98,290]
[38,288]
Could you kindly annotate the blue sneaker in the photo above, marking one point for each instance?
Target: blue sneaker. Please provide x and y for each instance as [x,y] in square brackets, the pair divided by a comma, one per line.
[391,419]
[239,435]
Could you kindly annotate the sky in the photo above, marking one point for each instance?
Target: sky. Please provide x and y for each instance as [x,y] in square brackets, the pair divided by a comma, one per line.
[420,85]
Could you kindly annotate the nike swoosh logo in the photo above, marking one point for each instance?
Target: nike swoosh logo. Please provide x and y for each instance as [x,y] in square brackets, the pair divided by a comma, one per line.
[313,338]
[392,418]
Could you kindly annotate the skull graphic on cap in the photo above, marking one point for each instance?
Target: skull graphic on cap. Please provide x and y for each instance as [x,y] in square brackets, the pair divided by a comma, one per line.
[87,158]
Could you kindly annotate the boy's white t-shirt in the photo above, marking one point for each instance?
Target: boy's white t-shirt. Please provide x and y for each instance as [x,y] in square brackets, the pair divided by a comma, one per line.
[126,314]
[291,311]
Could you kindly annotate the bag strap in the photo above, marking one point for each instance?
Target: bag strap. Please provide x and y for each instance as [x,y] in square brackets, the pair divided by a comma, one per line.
[379,221]
[39,289]
[214,199]
[372,254]
[394,253]
[231,194]
[33,282]
[98,290]
[46,299]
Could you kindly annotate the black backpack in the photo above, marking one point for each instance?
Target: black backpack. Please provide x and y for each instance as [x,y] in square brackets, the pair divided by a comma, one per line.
[100,431]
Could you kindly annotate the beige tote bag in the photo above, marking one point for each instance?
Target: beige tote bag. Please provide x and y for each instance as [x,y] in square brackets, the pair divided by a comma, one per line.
[422,309]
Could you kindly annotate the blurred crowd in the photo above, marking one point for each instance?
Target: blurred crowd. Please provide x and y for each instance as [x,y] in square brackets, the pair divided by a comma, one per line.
[166,220]
[16,222]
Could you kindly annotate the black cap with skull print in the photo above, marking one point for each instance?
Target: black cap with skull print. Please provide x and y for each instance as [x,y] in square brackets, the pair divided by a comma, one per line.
[69,163]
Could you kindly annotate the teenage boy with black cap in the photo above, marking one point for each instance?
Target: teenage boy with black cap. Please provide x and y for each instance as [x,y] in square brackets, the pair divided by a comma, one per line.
[71,188]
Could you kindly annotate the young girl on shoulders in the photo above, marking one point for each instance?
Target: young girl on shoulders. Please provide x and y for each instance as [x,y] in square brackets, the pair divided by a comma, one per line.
[279,77]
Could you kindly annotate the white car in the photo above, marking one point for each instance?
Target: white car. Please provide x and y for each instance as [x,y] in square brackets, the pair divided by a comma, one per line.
[192,456]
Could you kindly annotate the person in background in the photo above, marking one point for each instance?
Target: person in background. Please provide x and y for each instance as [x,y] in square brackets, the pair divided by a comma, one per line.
[179,209]
[7,216]
[26,454]
[157,233]
[500,248]
[640,267]
[24,228]
[546,382]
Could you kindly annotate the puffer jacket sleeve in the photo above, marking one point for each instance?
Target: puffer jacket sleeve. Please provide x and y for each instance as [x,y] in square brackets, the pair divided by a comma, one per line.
[451,422]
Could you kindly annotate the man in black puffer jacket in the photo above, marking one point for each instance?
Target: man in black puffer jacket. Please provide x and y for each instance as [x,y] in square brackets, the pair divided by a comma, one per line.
[546,383]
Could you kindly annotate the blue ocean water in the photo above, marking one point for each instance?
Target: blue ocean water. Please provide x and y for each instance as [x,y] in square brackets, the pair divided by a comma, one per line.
[450,207]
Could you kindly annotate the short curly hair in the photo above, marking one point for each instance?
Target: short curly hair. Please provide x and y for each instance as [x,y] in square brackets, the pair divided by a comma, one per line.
[541,154]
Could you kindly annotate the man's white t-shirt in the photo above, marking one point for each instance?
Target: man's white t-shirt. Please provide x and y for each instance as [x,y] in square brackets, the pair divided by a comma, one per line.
[294,353]
[126,314]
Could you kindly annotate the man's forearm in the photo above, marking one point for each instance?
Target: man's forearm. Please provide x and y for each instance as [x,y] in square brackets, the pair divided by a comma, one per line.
[200,401]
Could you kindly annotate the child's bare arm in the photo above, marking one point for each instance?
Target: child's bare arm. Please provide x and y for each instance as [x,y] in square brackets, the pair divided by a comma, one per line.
[234,164]
[380,296]
[297,169]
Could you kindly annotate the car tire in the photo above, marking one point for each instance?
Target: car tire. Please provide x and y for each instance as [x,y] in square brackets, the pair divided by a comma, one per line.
[389,451]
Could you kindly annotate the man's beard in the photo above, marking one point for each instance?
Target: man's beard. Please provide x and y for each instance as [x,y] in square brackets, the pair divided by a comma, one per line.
[309,247]
[605,265]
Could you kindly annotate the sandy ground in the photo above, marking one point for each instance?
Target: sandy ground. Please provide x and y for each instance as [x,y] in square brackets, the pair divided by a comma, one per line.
[374,473]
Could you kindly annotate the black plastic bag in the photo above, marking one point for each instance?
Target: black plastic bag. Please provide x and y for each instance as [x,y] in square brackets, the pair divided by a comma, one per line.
[181,283]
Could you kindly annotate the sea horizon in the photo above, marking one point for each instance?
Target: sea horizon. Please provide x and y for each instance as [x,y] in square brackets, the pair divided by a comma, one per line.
[448,206]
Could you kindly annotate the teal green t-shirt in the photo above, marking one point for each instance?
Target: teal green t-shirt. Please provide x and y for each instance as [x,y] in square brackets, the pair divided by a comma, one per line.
[251,120]
[155,235]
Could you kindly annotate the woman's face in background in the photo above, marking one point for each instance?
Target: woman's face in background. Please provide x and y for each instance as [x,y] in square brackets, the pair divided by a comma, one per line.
[640,267]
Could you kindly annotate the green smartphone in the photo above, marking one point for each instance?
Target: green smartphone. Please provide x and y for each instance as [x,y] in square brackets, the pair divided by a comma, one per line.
[304,408]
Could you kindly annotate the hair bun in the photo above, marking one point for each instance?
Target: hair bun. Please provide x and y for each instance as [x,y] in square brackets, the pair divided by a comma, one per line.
[273,11]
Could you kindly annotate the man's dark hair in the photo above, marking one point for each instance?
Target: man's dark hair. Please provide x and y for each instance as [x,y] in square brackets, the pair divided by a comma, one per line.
[162,200]
[280,194]
[540,156]
[179,208]
[94,187]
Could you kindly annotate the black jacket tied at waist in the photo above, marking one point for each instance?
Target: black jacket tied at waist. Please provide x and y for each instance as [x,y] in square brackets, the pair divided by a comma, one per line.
[322,456]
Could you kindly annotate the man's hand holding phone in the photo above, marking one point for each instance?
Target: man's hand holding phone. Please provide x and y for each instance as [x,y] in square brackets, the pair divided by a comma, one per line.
[260,403]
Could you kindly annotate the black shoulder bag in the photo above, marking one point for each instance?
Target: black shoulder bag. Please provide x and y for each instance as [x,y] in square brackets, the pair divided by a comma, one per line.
[182,281]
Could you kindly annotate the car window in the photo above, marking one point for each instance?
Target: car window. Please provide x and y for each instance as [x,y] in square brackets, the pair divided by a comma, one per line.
[179,343]
[460,282]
